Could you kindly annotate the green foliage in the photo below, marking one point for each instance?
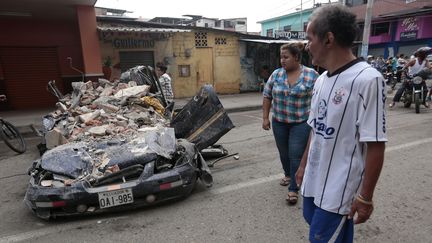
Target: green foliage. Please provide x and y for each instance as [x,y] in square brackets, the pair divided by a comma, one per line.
[107,62]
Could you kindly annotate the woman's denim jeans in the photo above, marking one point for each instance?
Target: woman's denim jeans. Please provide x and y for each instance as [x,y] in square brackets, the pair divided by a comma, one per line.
[291,140]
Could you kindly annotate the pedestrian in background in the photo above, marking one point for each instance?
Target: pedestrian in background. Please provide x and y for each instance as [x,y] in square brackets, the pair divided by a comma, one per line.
[165,81]
[345,152]
[288,92]
[400,65]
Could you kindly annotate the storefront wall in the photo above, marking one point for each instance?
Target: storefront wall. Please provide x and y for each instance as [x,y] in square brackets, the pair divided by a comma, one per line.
[410,34]
[217,62]
[34,51]
[413,28]
[113,44]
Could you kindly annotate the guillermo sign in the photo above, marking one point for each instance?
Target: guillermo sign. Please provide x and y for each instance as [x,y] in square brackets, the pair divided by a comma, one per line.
[288,35]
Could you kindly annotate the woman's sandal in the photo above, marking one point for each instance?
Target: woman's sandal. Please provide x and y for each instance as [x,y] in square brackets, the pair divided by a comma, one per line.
[285,181]
[292,198]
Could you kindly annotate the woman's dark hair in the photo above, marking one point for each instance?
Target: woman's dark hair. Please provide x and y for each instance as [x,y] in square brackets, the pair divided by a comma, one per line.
[161,66]
[337,19]
[294,48]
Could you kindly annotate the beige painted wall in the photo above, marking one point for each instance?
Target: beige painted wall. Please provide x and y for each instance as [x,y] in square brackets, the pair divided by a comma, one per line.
[216,64]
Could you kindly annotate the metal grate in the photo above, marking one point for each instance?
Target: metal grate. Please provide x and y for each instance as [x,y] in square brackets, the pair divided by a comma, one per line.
[201,39]
[220,41]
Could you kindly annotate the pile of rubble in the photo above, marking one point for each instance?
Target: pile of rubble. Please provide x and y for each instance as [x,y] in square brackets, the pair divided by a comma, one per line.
[103,110]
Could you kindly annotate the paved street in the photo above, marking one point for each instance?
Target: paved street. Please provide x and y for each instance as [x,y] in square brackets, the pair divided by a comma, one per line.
[246,203]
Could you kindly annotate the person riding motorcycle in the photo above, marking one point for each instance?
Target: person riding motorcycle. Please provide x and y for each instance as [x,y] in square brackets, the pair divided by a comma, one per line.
[414,66]
[400,65]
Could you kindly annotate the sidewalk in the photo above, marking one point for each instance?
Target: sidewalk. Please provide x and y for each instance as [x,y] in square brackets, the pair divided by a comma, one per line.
[232,103]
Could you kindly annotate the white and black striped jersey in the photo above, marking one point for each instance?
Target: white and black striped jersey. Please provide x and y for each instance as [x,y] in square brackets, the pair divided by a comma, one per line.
[347,110]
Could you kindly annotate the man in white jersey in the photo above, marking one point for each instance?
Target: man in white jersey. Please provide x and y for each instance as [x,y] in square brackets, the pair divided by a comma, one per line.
[345,153]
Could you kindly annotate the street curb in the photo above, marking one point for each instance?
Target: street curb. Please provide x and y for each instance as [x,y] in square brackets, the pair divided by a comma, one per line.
[245,108]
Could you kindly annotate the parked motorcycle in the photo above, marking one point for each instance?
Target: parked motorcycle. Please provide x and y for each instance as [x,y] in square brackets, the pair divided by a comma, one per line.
[414,92]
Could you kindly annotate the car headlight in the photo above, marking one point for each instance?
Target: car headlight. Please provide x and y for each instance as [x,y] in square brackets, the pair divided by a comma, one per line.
[417,80]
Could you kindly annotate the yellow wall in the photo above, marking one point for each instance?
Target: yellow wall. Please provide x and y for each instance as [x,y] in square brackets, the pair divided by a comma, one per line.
[227,66]
[216,64]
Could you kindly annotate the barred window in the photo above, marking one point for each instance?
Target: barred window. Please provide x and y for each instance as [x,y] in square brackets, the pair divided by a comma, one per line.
[220,41]
[201,39]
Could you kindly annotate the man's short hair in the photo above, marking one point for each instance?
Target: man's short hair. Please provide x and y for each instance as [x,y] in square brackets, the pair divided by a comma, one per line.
[337,19]
[161,66]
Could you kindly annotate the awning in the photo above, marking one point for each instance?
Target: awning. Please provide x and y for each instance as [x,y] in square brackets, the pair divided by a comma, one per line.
[140,29]
[273,41]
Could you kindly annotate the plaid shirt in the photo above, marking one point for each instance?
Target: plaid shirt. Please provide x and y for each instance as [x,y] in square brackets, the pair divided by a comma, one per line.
[290,104]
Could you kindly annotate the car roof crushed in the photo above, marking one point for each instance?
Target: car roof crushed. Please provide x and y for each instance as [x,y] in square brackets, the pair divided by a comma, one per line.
[103,127]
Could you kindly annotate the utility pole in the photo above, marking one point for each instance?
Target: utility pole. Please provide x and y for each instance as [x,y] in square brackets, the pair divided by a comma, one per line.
[301,16]
[366,30]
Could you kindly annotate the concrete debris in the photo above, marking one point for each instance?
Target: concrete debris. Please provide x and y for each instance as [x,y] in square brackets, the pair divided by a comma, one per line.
[84,118]
[54,138]
[98,131]
[132,91]
[103,110]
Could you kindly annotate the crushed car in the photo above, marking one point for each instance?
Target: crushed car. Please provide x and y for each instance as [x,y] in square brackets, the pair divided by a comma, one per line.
[120,145]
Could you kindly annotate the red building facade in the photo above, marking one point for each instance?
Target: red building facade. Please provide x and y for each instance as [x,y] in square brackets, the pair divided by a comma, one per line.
[46,40]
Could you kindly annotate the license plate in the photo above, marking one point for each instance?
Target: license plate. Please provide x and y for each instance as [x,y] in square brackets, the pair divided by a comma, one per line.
[115,198]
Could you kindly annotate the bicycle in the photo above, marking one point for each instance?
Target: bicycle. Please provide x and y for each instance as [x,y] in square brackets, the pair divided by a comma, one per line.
[10,134]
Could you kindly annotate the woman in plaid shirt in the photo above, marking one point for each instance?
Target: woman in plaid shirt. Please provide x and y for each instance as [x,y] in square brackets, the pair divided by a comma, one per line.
[288,92]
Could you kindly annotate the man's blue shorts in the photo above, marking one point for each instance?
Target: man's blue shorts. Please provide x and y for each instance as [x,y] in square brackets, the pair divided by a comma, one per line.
[326,226]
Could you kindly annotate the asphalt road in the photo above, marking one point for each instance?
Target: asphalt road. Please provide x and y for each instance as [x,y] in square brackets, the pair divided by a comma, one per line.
[246,203]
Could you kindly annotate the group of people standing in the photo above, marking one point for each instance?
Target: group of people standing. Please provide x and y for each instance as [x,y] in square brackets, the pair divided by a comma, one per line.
[330,129]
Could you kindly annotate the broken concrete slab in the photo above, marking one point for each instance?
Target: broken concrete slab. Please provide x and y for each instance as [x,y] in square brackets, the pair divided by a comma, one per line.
[54,138]
[89,116]
[132,91]
[98,131]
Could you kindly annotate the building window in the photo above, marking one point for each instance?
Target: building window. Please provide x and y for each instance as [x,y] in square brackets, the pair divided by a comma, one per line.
[287,28]
[184,70]
[241,22]
[380,28]
[269,33]
[220,41]
[352,3]
[229,24]
[201,39]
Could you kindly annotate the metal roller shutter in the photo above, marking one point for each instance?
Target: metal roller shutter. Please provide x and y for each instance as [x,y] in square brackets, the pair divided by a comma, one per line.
[409,50]
[129,59]
[26,73]
[376,52]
